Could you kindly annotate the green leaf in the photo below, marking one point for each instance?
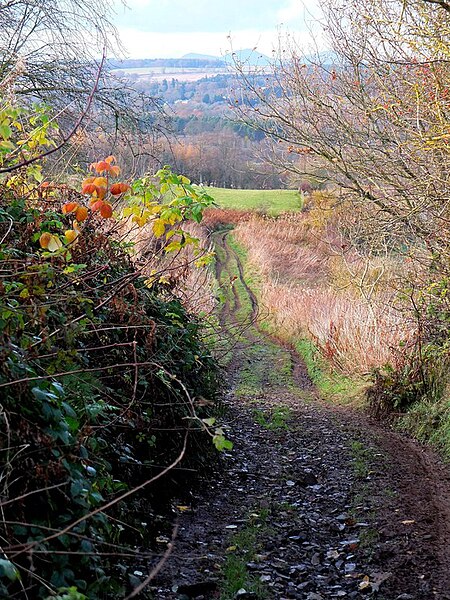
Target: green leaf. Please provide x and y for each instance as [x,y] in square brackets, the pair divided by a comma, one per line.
[69,410]
[58,388]
[7,569]
[221,443]
[5,131]
[39,394]
[210,421]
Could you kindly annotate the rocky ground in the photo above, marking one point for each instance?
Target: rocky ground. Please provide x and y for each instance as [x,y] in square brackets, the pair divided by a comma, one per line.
[314,502]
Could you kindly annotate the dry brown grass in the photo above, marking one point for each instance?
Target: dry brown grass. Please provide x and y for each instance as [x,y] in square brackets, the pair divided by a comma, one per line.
[214,218]
[311,287]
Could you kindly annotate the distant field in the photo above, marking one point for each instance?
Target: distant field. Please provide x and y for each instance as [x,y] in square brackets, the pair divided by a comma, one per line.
[270,201]
[179,73]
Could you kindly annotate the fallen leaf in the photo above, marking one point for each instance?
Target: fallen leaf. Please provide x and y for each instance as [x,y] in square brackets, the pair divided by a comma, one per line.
[365,583]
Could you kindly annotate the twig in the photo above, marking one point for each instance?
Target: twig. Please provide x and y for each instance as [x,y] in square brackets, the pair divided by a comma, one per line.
[50,487]
[71,132]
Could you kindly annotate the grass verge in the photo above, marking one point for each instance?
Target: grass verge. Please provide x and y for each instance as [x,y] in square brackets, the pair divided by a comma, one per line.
[332,385]
[429,422]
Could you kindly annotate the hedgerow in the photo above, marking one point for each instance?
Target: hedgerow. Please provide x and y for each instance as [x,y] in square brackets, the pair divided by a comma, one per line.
[105,380]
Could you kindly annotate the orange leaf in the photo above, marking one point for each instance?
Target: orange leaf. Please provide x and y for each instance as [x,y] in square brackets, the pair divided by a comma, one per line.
[81,214]
[114,170]
[97,205]
[102,166]
[100,182]
[106,210]
[115,189]
[119,188]
[69,207]
[100,192]
[88,188]
[110,159]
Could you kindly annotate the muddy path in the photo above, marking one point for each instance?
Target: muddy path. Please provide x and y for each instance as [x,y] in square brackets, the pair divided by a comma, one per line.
[314,501]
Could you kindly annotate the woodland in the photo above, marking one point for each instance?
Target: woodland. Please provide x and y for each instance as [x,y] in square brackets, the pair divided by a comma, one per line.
[199,277]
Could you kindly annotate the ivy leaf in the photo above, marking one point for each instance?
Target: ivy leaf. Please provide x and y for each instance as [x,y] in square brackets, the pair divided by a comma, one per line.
[7,569]
[39,394]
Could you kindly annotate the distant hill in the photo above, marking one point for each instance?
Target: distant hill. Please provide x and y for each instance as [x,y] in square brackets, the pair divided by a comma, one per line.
[192,60]
[248,57]
[196,56]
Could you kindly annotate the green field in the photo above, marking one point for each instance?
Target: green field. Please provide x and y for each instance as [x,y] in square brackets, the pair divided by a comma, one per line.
[272,202]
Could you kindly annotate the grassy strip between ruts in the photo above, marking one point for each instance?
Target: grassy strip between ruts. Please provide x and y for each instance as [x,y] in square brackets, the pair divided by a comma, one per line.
[332,385]
[244,548]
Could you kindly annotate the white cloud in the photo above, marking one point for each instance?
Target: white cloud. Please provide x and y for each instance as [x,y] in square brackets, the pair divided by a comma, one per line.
[201,25]
[292,12]
[150,44]
[173,45]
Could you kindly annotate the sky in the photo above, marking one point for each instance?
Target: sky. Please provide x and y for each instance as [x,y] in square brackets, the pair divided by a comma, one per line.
[172,28]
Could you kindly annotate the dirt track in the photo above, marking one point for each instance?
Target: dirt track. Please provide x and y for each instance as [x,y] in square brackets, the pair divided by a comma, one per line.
[314,501]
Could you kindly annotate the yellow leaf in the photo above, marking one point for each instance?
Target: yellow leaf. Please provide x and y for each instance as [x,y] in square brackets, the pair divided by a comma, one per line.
[159,228]
[365,583]
[54,243]
[70,235]
[173,218]
[173,246]
[141,221]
